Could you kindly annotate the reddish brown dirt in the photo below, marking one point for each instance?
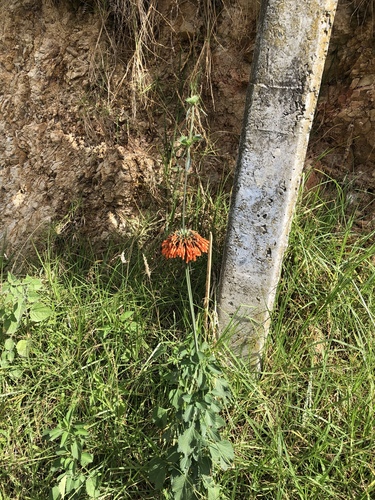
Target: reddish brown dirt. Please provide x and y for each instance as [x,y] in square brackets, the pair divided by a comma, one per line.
[80,149]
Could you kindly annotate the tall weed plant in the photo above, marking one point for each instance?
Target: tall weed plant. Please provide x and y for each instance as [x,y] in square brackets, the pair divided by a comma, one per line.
[199,393]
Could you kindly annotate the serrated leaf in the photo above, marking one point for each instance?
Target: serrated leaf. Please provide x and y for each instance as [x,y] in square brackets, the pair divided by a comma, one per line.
[201,405]
[213,419]
[174,397]
[222,453]
[69,486]
[39,312]
[182,488]
[187,398]
[12,279]
[200,379]
[12,321]
[185,441]
[18,309]
[221,390]
[185,464]
[173,456]
[62,452]
[189,413]
[213,434]
[23,347]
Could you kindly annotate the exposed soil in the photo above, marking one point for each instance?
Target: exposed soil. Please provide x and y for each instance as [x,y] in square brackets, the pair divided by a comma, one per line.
[80,148]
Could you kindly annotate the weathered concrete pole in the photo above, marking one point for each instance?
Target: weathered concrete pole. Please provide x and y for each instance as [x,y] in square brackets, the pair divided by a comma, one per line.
[290,51]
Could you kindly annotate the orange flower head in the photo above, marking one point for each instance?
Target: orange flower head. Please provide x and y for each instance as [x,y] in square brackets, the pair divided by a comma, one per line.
[186,244]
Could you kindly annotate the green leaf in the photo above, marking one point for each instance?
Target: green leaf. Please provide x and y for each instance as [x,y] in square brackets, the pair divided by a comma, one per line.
[200,379]
[205,466]
[86,458]
[189,413]
[64,437]
[76,450]
[33,284]
[174,397]
[55,493]
[62,485]
[68,418]
[18,309]
[10,356]
[185,464]
[9,344]
[15,373]
[79,430]
[92,486]
[126,315]
[185,441]
[32,296]
[23,347]
[69,485]
[212,419]
[12,280]
[173,456]
[157,470]
[182,488]
[213,492]
[222,390]
[62,452]
[10,324]
[52,434]
[159,416]
[187,398]
[39,312]
[222,453]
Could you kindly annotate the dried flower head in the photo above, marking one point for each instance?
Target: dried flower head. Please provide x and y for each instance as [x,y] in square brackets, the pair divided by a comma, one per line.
[186,244]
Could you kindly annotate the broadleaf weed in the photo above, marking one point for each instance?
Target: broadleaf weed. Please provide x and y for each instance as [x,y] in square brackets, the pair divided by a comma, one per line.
[72,460]
[21,302]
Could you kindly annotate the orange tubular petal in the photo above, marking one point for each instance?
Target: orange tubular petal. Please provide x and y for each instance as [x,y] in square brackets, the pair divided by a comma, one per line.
[186,244]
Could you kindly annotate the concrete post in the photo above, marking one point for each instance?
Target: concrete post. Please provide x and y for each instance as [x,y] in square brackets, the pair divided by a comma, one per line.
[290,51]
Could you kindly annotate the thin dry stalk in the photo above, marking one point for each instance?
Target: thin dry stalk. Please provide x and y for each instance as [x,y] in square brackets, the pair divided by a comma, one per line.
[206,302]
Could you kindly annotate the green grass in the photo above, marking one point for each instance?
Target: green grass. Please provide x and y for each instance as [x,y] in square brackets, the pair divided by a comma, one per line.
[304,429]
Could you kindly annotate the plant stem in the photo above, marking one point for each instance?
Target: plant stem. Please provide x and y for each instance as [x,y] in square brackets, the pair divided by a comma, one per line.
[206,301]
[187,164]
[190,294]
[187,269]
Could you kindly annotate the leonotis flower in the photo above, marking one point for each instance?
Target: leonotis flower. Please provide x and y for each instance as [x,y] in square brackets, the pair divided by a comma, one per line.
[186,244]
